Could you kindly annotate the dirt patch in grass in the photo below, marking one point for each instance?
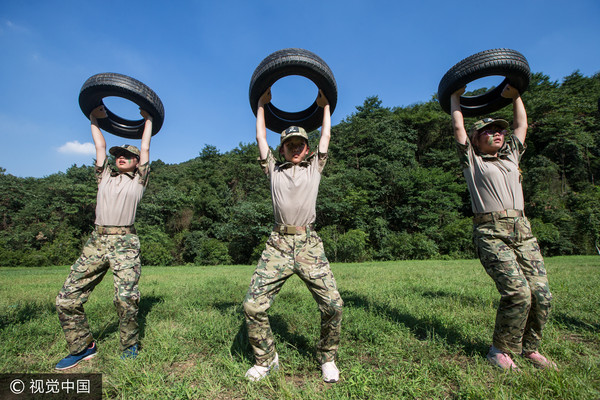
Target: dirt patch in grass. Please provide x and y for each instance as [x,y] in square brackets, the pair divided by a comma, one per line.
[590,342]
[229,395]
[306,382]
[295,380]
[29,359]
[461,360]
[577,338]
[366,358]
[180,368]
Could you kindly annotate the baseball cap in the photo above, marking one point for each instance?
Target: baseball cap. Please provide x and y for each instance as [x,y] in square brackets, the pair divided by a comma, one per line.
[482,123]
[126,148]
[293,131]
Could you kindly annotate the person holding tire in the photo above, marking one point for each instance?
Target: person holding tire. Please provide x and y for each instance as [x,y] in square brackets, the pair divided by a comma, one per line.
[113,244]
[502,234]
[293,246]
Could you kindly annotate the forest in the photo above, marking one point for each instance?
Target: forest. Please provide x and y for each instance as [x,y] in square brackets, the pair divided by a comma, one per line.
[392,190]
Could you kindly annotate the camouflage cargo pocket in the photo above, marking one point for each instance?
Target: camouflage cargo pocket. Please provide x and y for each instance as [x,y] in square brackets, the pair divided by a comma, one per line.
[318,273]
[266,273]
[91,254]
[325,276]
[127,251]
[532,258]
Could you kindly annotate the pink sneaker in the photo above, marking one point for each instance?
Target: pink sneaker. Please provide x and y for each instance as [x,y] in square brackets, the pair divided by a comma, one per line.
[540,361]
[500,359]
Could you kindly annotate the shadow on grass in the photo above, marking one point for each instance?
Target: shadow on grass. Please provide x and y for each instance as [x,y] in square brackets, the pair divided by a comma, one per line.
[467,301]
[145,305]
[240,347]
[22,312]
[420,328]
[575,324]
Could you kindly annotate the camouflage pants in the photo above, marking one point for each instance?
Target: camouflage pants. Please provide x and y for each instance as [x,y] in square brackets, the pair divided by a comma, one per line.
[121,253]
[511,257]
[285,255]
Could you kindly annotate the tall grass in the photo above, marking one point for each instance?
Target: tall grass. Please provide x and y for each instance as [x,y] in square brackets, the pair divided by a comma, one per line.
[413,329]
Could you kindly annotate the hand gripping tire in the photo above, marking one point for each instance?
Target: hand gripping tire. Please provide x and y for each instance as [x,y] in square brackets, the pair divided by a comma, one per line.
[104,85]
[504,62]
[292,62]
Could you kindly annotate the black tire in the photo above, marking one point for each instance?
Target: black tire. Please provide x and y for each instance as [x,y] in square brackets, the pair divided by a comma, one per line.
[504,62]
[99,86]
[292,62]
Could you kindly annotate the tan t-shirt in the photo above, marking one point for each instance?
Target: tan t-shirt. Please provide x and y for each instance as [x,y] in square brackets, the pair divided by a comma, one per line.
[119,194]
[494,182]
[294,188]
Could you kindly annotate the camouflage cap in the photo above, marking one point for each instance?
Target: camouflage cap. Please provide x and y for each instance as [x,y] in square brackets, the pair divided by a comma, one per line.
[126,148]
[482,123]
[293,131]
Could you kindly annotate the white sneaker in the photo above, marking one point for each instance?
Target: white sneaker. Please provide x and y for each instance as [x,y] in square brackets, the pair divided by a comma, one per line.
[258,372]
[330,372]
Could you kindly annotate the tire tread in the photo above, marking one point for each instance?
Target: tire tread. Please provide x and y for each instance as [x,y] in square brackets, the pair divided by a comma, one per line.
[501,61]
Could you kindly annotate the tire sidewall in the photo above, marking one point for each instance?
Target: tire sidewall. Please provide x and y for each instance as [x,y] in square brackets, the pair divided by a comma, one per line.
[269,71]
[100,86]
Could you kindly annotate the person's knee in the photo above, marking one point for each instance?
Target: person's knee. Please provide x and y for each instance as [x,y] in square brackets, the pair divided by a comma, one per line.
[337,311]
[252,308]
[519,297]
[126,300]
[543,297]
[333,309]
[248,307]
[64,304]
[59,303]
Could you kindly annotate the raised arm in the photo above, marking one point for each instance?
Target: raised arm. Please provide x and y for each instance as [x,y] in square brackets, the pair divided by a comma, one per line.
[519,113]
[146,137]
[326,126]
[261,129]
[99,142]
[458,122]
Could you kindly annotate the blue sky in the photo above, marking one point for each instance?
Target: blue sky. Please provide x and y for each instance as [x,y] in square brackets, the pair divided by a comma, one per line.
[198,56]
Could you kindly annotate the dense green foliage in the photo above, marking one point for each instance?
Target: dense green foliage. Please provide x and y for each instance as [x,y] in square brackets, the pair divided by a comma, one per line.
[392,189]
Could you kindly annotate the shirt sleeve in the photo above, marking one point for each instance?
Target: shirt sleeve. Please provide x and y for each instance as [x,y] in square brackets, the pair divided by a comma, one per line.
[99,171]
[463,153]
[322,160]
[268,163]
[144,172]
[517,147]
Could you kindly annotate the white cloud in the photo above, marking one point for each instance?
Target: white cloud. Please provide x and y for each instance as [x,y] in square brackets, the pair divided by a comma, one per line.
[78,148]
[11,26]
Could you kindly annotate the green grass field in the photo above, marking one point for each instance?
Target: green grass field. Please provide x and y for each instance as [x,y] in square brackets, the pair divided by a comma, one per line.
[413,329]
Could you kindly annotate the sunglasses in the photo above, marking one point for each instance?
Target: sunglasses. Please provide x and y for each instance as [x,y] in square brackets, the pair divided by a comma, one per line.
[491,132]
[125,156]
[294,145]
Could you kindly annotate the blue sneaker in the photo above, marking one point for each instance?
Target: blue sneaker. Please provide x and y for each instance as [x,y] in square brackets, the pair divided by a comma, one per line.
[130,353]
[73,359]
